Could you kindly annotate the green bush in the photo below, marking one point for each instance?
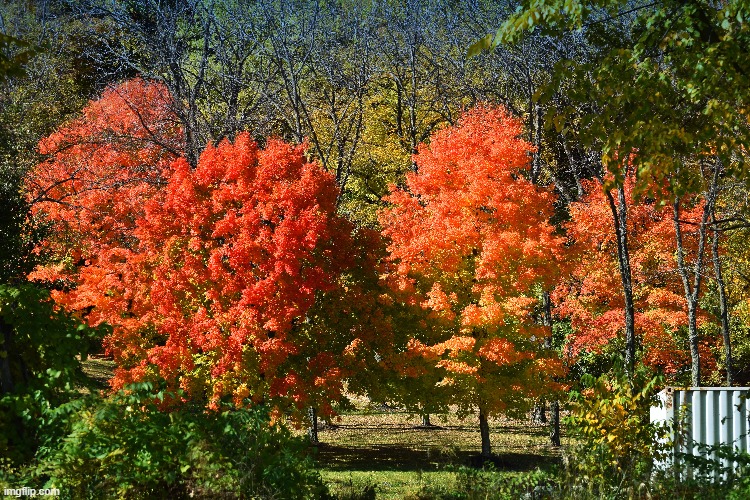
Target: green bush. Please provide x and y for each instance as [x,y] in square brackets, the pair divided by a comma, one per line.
[126,447]
[617,447]
[616,442]
[41,348]
[706,475]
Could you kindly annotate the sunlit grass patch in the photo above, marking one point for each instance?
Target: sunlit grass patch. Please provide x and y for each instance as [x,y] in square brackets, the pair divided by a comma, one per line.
[386,484]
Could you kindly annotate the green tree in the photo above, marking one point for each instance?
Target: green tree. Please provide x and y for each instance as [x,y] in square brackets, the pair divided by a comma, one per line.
[668,81]
[40,352]
[14,54]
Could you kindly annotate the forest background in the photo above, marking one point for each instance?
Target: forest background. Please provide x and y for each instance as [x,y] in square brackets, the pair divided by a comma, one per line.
[260,209]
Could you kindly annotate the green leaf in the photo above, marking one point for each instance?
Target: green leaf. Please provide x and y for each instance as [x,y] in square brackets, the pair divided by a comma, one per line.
[483,44]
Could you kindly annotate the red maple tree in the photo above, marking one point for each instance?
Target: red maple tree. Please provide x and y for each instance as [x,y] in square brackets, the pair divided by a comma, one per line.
[592,296]
[228,264]
[206,275]
[100,170]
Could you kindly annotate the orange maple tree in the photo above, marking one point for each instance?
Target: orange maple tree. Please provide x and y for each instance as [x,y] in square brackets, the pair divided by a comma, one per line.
[471,246]
[592,298]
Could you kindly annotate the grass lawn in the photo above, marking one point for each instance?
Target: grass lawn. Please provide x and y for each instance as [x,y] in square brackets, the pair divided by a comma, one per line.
[391,452]
[99,369]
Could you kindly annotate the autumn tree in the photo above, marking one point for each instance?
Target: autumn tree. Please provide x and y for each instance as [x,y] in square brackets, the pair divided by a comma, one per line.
[206,275]
[470,240]
[227,267]
[99,171]
[664,79]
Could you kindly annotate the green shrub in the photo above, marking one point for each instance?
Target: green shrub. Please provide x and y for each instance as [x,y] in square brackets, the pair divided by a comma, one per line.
[617,444]
[617,447]
[126,447]
[41,348]
[705,475]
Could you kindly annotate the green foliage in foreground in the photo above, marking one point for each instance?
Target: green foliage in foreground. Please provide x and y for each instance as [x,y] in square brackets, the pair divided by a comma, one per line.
[618,446]
[616,440]
[488,483]
[125,446]
[40,352]
[614,455]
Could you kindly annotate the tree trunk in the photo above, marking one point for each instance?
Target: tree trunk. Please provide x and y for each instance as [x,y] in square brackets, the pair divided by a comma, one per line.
[484,431]
[691,298]
[536,159]
[692,291]
[547,321]
[539,413]
[312,432]
[620,218]
[724,313]
[554,426]
[426,420]
[547,318]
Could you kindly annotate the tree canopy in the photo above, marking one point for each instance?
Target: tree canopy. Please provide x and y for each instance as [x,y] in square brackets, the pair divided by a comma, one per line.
[471,244]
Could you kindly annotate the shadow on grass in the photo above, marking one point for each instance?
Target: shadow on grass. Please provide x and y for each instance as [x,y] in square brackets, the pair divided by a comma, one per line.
[400,427]
[402,458]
